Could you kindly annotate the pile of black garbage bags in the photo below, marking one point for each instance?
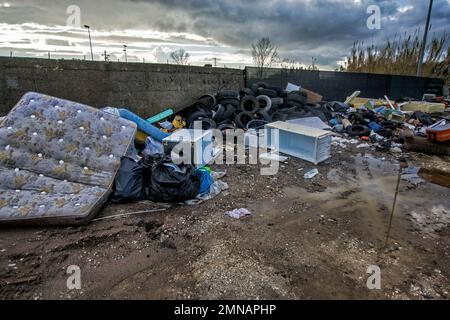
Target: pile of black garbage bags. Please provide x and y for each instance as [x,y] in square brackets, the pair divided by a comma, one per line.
[252,107]
[155,178]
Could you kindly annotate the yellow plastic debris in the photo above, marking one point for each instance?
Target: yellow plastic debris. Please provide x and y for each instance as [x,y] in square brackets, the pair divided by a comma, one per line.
[358,102]
[140,137]
[178,122]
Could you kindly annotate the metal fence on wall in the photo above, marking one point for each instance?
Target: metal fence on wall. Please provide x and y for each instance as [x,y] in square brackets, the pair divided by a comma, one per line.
[339,85]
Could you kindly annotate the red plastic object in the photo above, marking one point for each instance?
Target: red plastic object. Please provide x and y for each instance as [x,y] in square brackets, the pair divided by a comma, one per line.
[439,134]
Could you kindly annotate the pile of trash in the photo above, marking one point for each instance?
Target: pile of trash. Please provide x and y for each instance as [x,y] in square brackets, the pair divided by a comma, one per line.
[380,123]
[91,153]
[252,107]
[157,178]
[389,125]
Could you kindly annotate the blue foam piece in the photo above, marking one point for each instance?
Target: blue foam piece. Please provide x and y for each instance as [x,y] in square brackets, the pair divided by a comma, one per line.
[143,125]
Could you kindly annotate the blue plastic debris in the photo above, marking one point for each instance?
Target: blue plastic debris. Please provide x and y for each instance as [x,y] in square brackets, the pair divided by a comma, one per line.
[160,116]
[375,126]
[143,125]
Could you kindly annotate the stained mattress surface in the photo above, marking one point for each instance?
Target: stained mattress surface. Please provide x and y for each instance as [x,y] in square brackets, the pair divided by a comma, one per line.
[58,160]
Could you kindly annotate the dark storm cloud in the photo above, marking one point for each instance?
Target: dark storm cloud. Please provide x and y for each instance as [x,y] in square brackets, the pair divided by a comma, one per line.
[56,42]
[169,23]
[326,28]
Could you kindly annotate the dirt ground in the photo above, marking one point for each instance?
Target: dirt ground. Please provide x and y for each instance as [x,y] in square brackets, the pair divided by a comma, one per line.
[305,239]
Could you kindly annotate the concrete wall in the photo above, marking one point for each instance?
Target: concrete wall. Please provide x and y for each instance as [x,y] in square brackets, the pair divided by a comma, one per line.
[143,88]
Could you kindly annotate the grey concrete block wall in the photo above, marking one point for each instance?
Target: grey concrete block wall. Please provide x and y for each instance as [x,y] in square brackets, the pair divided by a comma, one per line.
[143,88]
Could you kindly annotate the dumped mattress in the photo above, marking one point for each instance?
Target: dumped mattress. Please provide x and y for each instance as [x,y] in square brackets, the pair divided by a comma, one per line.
[58,160]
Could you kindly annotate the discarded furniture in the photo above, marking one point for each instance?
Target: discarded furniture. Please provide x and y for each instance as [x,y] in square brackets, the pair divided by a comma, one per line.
[312,122]
[58,160]
[198,144]
[303,142]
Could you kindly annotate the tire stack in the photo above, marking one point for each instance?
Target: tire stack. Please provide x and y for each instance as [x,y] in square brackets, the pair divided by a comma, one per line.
[252,108]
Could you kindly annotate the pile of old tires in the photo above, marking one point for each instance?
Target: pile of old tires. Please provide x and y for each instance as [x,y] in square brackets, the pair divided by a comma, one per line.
[252,107]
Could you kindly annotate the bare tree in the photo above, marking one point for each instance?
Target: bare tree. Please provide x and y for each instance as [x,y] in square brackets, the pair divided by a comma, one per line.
[180,56]
[264,53]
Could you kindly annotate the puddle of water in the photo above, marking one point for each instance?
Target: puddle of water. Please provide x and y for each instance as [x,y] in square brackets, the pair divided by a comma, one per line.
[371,187]
[411,175]
[364,192]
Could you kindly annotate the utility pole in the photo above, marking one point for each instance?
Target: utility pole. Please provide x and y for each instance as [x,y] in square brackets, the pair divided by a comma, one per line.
[106,56]
[424,42]
[125,51]
[90,41]
[215,62]
[49,55]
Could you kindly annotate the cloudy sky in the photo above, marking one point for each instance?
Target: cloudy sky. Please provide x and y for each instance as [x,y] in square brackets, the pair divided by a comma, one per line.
[207,29]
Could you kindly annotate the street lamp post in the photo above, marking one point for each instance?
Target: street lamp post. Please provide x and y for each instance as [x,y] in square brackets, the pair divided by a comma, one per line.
[424,42]
[125,51]
[90,41]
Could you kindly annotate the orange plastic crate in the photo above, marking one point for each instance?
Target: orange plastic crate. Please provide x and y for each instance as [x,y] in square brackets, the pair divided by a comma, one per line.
[440,134]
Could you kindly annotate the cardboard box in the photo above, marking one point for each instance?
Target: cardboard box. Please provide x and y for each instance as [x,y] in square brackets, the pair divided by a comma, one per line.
[312,97]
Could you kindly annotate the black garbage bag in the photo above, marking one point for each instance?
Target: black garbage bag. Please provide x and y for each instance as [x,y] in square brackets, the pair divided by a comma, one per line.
[422,117]
[339,107]
[167,182]
[322,111]
[362,117]
[358,130]
[129,183]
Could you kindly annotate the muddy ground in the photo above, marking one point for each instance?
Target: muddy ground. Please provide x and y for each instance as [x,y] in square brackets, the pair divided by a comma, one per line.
[306,239]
